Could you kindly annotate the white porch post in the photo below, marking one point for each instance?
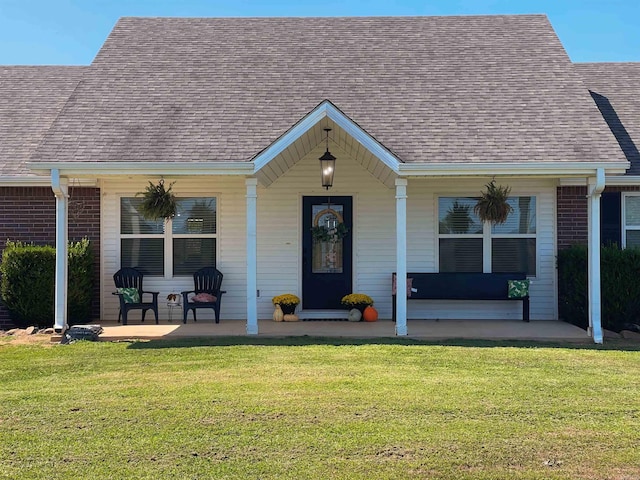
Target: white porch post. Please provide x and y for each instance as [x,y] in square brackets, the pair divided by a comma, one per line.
[401,256]
[252,256]
[59,187]
[596,186]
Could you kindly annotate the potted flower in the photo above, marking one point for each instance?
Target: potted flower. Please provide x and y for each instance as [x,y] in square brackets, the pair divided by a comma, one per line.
[357,300]
[288,302]
[173,299]
[492,205]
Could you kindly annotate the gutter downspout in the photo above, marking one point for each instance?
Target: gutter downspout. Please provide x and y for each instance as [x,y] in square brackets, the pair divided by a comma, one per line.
[596,186]
[60,190]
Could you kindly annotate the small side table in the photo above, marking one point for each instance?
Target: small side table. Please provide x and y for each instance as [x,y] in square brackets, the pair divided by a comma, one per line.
[171,307]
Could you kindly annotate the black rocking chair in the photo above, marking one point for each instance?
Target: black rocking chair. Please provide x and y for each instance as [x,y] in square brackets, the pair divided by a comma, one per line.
[208,281]
[132,278]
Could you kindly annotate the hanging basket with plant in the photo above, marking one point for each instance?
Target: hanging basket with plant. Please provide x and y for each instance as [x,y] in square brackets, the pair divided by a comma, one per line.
[492,206]
[158,202]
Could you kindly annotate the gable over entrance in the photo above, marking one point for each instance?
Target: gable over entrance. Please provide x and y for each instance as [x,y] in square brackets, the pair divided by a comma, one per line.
[308,133]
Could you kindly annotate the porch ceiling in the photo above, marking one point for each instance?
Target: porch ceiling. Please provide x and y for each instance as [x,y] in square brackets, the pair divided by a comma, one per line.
[341,144]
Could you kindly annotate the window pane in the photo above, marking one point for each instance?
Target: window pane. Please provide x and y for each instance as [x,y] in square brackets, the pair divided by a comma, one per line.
[633,238]
[195,215]
[455,215]
[632,211]
[145,254]
[132,222]
[461,255]
[521,220]
[510,255]
[190,254]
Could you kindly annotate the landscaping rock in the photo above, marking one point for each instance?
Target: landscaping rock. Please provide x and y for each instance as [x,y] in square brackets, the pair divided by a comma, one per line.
[630,335]
[31,330]
[82,332]
[14,331]
[48,331]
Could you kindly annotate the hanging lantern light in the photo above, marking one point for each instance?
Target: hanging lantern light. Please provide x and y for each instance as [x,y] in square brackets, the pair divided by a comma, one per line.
[327,165]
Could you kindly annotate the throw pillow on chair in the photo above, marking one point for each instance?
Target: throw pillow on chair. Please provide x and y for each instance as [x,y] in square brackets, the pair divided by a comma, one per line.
[129,295]
[204,298]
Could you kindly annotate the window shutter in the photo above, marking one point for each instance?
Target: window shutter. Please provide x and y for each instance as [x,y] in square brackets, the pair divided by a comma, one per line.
[611,218]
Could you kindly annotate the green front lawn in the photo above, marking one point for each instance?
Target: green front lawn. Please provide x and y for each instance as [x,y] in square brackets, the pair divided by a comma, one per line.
[308,408]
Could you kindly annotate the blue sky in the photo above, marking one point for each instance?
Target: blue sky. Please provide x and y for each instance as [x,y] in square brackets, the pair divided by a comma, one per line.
[70,32]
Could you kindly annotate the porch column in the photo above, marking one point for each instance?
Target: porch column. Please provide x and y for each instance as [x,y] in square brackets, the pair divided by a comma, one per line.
[401,256]
[60,190]
[252,256]
[596,186]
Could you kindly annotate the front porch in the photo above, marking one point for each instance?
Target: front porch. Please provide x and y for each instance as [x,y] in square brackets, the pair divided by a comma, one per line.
[555,331]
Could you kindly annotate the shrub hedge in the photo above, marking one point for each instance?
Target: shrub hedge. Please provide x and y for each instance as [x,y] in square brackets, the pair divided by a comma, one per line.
[28,280]
[620,271]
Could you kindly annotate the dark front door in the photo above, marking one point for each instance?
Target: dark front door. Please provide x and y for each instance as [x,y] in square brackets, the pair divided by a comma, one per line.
[327,233]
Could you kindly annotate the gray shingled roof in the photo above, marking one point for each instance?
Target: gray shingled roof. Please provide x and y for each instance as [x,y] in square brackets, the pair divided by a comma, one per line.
[431,89]
[30,99]
[615,87]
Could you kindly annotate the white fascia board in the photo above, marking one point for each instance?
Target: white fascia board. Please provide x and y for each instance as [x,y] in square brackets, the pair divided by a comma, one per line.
[72,169]
[554,169]
[325,109]
[44,181]
[366,140]
[623,180]
[25,181]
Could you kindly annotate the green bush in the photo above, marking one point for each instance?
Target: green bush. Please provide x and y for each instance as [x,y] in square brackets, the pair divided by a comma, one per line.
[572,286]
[80,290]
[28,280]
[620,287]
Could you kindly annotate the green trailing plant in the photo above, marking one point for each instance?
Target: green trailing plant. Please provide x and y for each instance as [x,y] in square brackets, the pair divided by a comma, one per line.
[28,282]
[158,201]
[321,233]
[492,205]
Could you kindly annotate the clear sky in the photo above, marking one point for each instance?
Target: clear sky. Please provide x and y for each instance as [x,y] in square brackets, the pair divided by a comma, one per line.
[70,32]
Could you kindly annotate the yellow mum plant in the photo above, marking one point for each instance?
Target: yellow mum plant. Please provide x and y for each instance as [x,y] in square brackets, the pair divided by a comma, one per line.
[356,299]
[285,299]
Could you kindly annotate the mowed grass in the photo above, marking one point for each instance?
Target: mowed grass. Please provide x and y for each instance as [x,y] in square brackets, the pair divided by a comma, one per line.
[312,408]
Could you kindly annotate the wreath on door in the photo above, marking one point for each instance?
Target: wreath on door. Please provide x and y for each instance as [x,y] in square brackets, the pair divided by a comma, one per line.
[325,233]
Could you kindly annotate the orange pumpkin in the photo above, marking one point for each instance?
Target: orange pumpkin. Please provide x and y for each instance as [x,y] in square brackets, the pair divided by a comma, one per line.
[370,314]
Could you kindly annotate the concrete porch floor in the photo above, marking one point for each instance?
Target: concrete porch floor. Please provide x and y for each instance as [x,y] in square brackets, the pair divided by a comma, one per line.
[417,329]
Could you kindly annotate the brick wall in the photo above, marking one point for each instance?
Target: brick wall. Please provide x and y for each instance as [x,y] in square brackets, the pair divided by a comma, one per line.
[28,214]
[572,214]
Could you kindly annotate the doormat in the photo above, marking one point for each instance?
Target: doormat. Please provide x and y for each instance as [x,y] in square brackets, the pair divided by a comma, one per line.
[324,319]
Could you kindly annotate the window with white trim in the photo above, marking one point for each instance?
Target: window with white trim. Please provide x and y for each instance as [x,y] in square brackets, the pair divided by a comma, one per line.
[631,221]
[466,244]
[175,248]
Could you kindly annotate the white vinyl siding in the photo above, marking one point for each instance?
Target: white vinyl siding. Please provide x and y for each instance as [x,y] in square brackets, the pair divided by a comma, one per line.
[423,249]
[279,235]
[280,230]
[229,193]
